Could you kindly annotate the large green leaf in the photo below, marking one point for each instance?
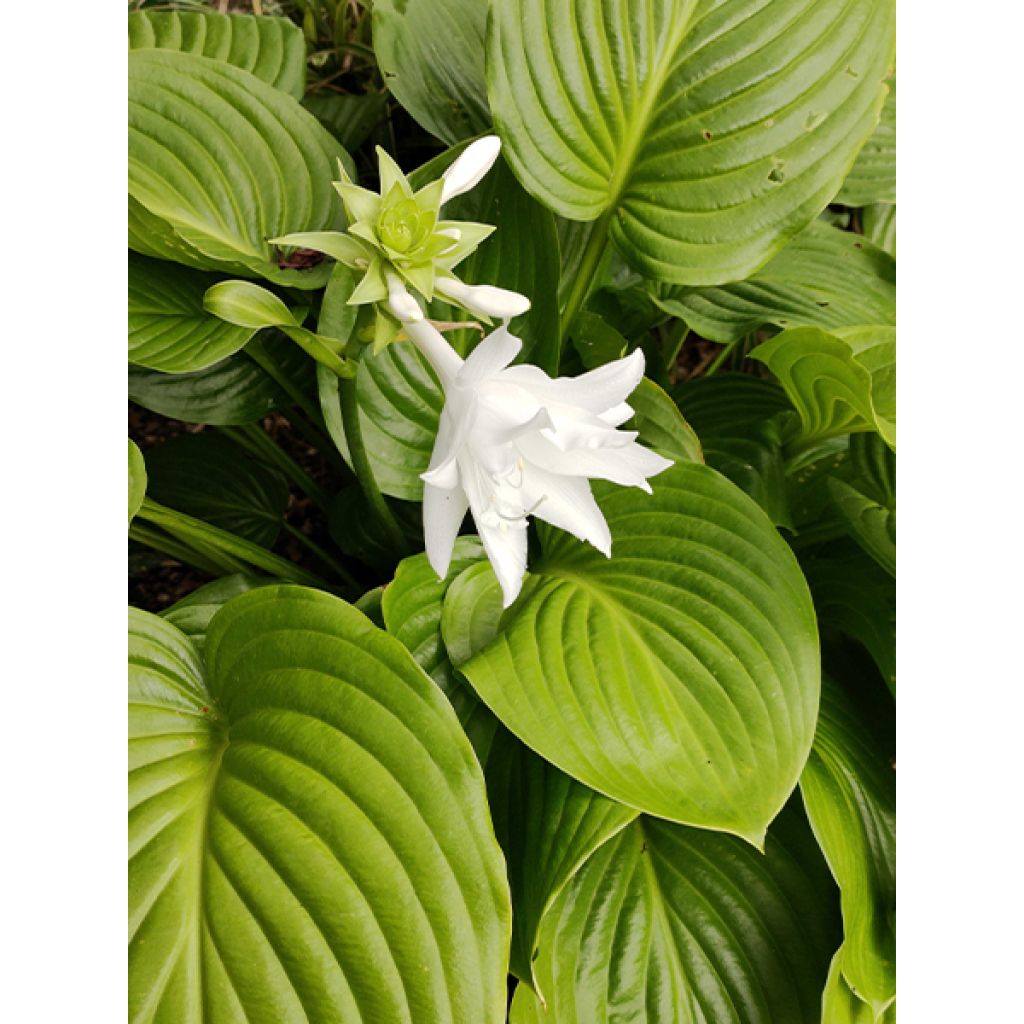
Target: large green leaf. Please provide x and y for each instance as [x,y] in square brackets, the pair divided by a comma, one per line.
[168,329]
[229,393]
[192,614]
[839,383]
[309,836]
[272,49]
[661,425]
[226,161]
[879,222]
[872,179]
[717,134]
[412,605]
[849,790]
[680,676]
[211,478]
[431,54]
[136,479]
[824,278]
[839,1005]
[672,925]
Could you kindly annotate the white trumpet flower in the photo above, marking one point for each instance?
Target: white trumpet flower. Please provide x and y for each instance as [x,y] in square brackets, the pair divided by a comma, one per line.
[513,442]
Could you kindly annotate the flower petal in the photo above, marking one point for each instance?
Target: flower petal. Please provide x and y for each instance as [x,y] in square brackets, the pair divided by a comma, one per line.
[475,161]
[457,419]
[443,512]
[566,502]
[400,302]
[491,356]
[483,299]
[597,391]
[335,244]
[629,466]
[390,174]
[505,547]
[441,356]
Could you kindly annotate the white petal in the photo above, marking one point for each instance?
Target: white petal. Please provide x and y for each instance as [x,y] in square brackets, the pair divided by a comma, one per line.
[470,167]
[441,356]
[457,419]
[493,354]
[617,415]
[443,512]
[566,502]
[400,302]
[482,299]
[629,466]
[597,391]
[505,546]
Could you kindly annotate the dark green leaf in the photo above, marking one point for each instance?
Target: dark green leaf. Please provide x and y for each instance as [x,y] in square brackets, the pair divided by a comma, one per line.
[136,479]
[350,119]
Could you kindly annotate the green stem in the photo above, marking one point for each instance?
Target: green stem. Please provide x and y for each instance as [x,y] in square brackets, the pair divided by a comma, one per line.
[325,557]
[261,444]
[722,356]
[586,273]
[159,541]
[201,534]
[361,462]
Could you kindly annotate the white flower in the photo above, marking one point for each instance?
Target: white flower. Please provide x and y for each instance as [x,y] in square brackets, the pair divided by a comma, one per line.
[513,442]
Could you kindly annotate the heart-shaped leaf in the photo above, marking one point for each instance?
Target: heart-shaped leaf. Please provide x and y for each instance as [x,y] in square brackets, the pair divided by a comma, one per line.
[272,49]
[225,162]
[872,179]
[824,278]
[168,328]
[716,135]
[232,392]
[431,54]
[309,836]
[136,479]
[839,383]
[192,614]
[849,790]
[668,925]
[211,478]
[679,677]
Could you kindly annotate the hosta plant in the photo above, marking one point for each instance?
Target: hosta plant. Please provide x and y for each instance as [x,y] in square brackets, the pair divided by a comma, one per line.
[511,512]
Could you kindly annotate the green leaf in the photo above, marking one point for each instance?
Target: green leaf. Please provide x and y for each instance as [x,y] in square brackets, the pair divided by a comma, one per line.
[136,479]
[596,341]
[824,278]
[717,135]
[192,614]
[350,119]
[431,54]
[661,425]
[309,836]
[226,161]
[359,532]
[412,607]
[229,393]
[839,383]
[871,524]
[841,1006]
[872,179]
[668,925]
[272,49]
[849,790]
[879,222]
[680,676]
[168,328]
[211,478]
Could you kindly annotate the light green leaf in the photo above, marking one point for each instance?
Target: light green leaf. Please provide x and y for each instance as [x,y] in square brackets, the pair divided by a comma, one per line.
[192,614]
[211,478]
[671,925]
[721,131]
[309,836]
[168,328]
[412,606]
[879,222]
[839,383]
[272,49]
[841,1006]
[679,677]
[225,162]
[431,54]
[849,790]
[824,278]
[136,479]
[872,179]
[661,425]
[871,524]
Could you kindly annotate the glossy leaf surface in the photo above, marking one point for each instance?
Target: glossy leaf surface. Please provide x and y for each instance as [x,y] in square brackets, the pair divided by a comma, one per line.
[679,677]
[272,49]
[225,162]
[720,131]
[671,925]
[192,614]
[823,278]
[309,833]
[168,328]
